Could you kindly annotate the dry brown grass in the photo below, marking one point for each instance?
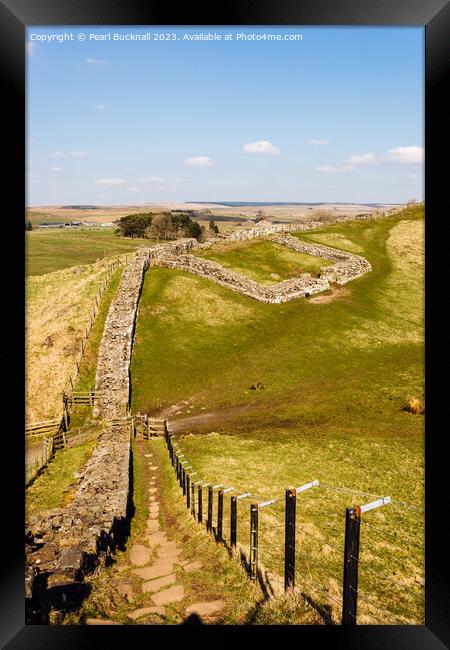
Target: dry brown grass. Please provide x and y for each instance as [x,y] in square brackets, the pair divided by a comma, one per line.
[414,406]
[58,310]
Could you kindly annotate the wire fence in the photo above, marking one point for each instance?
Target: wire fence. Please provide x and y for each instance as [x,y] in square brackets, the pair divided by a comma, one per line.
[355,564]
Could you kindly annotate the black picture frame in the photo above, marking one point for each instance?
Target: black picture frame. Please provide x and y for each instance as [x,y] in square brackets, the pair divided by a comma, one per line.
[15,16]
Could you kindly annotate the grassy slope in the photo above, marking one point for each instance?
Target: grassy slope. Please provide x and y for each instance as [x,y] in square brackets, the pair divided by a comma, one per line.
[52,489]
[259,259]
[58,309]
[336,378]
[48,251]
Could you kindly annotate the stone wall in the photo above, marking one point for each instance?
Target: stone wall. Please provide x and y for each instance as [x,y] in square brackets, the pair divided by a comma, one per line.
[348,266]
[265,227]
[272,293]
[65,543]
[113,369]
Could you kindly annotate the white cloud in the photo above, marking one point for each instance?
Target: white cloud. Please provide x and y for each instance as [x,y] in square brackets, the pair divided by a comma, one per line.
[134,189]
[110,181]
[100,107]
[79,154]
[56,154]
[95,61]
[31,141]
[32,175]
[156,179]
[261,147]
[128,169]
[362,159]
[335,168]
[318,142]
[199,161]
[404,155]
[56,169]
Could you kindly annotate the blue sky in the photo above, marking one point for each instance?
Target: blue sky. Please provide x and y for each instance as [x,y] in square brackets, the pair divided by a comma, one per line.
[336,116]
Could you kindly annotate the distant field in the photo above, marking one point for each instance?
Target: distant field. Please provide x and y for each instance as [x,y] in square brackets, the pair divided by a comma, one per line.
[263,261]
[336,374]
[52,250]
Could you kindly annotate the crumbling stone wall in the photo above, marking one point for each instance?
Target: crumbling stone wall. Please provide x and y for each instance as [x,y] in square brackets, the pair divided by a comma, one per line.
[113,369]
[273,293]
[65,543]
[265,227]
[348,266]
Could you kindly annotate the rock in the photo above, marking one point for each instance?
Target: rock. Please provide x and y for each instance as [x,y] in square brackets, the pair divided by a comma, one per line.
[159,537]
[145,611]
[152,525]
[205,608]
[155,585]
[139,555]
[192,566]
[100,621]
[172,595]
[157,570]
[125,588]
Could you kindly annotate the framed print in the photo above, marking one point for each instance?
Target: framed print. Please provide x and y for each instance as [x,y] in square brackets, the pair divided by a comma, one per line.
[230,404]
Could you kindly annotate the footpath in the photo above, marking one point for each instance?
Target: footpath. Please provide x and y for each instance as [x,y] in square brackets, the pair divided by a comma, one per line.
[157,579]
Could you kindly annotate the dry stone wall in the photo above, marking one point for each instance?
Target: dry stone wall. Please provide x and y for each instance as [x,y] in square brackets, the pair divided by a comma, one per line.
[348,266]
[113,369]
[265,227]
[272,293]
[65,543]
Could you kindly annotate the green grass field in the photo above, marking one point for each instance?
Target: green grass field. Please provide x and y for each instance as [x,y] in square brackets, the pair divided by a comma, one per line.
[336,375]
[263,261]
[51,250]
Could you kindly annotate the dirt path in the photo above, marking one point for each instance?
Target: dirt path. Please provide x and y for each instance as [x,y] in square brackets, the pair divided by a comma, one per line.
[219,415]
[154,577]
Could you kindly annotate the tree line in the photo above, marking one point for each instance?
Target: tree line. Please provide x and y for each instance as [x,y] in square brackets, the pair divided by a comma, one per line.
[165,225]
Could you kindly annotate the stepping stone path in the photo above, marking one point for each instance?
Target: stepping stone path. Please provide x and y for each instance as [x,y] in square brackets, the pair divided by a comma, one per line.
[153,561]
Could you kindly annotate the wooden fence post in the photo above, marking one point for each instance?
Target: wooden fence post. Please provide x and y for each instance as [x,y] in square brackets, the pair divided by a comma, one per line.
[219,514]
[233,521]
[253,540]
[193,500]
[351,558]
[188,492]
[210,509]
[200,504]
[183,480]
[65,414]
[177,468]
[289,539]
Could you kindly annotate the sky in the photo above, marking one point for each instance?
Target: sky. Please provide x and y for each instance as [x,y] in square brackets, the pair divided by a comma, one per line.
[301,114]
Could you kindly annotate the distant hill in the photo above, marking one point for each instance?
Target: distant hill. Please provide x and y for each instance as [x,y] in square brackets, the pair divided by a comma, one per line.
[79,207]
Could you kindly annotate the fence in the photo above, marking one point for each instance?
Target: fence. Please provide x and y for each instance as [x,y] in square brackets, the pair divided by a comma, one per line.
[71,382]
[280,547]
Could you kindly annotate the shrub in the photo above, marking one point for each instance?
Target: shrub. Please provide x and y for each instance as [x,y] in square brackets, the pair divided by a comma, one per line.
[415,406]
